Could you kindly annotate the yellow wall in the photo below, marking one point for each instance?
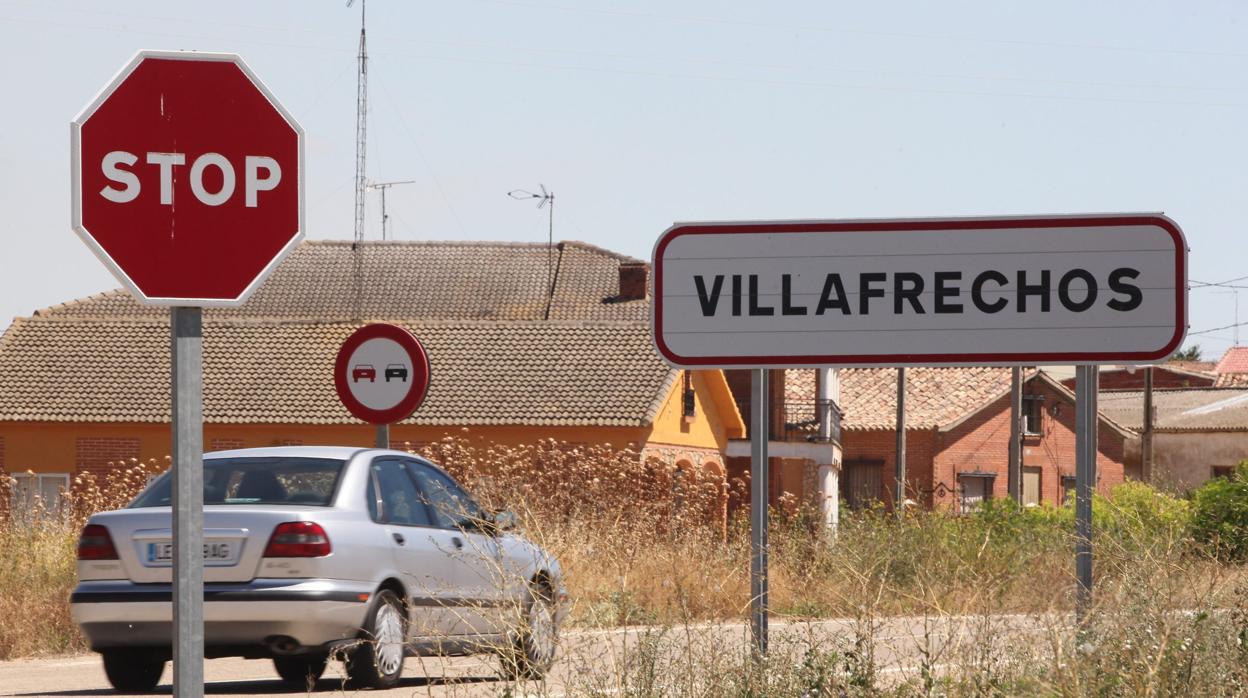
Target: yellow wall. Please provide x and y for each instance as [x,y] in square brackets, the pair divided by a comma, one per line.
[710,426]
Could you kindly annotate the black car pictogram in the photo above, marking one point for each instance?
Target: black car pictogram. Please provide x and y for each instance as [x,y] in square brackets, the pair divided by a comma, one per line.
[396,371]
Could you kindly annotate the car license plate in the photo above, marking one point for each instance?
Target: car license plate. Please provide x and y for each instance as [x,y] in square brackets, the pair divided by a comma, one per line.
[219,552]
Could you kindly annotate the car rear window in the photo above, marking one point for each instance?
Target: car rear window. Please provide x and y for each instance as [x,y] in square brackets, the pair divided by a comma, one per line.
[276,480]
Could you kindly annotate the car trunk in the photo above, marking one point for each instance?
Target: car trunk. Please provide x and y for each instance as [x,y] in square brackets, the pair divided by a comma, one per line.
[234,540]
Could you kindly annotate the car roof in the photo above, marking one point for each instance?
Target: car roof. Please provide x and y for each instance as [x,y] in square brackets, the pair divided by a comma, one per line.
[336,452]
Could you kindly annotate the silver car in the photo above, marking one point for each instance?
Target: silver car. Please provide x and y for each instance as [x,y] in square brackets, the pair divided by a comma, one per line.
[319,552]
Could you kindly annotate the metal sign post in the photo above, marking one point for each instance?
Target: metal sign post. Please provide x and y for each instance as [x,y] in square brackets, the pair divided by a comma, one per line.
[188,501]
[383,436]
[1085,480]
[759,476]
[189,113]
[899,497]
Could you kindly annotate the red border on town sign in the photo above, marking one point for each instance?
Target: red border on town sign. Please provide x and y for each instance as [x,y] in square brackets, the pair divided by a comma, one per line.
[419,383]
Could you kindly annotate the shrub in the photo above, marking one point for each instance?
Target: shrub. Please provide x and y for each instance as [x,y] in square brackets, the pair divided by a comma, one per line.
[1220,514]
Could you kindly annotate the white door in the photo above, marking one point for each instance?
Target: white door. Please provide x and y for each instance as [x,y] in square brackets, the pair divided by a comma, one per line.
[477,571]
[418,547]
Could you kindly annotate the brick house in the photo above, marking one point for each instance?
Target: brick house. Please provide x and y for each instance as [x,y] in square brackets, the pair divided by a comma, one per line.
[86,383]
[957,439]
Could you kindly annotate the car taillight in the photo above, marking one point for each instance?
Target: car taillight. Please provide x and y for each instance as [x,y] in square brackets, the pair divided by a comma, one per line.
[298,539]
[96,544]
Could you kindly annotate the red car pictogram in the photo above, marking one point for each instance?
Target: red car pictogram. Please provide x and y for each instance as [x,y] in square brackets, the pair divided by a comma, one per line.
[362,371]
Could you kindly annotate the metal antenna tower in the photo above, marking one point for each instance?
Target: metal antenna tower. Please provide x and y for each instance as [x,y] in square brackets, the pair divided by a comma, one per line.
[546,197]
[361,125]
[361,129]
[382,187]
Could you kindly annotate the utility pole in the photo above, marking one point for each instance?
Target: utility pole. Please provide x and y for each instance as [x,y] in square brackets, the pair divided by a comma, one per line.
[382,187]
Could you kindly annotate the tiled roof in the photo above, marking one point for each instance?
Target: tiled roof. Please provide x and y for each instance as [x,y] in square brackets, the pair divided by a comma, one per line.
[1235,360]
[935,397]
[1198,409]
[416,280]
[58,368]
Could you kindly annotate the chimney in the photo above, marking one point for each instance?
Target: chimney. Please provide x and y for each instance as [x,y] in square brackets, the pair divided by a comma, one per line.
[633,281]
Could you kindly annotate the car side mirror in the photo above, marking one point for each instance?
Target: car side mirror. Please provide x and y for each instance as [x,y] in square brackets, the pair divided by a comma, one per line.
[506,520]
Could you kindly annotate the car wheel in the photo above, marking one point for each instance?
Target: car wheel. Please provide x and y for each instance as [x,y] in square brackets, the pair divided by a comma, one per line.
[378,661]
[533,647]
[133,671]
[302,670]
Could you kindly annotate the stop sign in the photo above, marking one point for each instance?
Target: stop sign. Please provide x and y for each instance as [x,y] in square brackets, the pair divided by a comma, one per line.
[187,178]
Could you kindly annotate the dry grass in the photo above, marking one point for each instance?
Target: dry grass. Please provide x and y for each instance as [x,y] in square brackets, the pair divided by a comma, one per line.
[644,545]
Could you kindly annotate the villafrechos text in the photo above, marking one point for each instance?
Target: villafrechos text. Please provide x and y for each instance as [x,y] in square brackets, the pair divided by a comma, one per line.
[940,292]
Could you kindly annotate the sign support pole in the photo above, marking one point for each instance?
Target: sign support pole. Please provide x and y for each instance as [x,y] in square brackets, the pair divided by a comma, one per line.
[759,434]
[1086,378]
[899,498]
[1146,439]
[188,501]
[383,436]
[1014,474]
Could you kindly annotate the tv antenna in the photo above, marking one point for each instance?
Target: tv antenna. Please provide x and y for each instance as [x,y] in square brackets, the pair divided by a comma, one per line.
[546,197]
[382,187]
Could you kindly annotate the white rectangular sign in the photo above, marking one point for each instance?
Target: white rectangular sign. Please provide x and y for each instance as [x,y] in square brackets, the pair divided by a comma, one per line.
[921,292]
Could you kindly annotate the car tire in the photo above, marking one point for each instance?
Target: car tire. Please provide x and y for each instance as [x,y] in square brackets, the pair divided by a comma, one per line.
[301,670]
[133,671]
[378,661]
[533,646]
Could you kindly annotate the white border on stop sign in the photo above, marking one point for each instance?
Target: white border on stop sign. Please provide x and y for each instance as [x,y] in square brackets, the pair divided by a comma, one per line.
[75,182]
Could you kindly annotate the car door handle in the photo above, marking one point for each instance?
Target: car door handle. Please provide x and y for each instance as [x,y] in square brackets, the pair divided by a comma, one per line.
[457,542]
[398,538]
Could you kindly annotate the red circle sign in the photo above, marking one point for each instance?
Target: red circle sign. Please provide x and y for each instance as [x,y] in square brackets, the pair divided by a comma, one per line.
[187,178]
[382,373]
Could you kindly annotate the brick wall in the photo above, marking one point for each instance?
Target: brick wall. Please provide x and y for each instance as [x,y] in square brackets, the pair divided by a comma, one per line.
[224,444]
[880,445]
[95,454]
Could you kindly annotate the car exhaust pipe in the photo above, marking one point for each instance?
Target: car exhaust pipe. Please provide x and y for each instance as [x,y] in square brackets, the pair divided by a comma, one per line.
[282,644]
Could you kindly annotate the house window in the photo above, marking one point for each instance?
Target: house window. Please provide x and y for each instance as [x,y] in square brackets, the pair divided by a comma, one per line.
[37,494]
[975,488]
[1226,471]
[1068,488]
[688,403]
[1033,410]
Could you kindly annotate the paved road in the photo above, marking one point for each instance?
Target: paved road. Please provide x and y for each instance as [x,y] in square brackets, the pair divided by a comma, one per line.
[601,660]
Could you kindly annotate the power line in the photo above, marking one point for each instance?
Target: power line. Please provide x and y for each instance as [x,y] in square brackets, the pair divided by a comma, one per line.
[1216,329]
[1225,284]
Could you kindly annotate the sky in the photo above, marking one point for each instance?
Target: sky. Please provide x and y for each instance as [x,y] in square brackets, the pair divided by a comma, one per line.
[639,114]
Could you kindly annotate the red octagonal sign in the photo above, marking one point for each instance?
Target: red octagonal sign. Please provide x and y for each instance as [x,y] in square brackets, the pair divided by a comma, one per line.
[188,178]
